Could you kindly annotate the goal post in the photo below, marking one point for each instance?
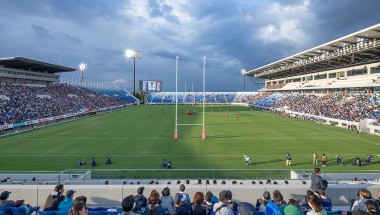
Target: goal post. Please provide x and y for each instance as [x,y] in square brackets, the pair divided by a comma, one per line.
[176,101]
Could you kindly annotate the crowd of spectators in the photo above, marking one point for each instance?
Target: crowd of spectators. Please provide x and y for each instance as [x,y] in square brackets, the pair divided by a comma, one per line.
[20,103]
[344,106]
[314,202]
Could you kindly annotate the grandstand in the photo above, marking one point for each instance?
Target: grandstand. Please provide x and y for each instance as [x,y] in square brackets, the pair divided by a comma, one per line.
[345,71]
[197,97]
[27,83]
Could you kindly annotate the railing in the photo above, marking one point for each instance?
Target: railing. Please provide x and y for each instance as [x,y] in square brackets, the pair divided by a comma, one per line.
[145,175]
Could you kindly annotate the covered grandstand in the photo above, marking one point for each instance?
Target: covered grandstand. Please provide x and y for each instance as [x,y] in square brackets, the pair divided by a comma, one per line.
[350,62]
[336,83]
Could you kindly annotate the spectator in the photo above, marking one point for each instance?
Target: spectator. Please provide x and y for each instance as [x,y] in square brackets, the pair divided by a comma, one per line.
[167,200]
[67,203]
[186,197]
[359,205]
[154,207]
[273,206]
[178,208]
[208,203]
[53,200]
[79,208]
[292,208]
[127,205]
[140,200]
[372,208]
[325,201]
[221,207]
[231,204]
[315,205]
[263,201]
[5,202]
[196,207]
[316,180]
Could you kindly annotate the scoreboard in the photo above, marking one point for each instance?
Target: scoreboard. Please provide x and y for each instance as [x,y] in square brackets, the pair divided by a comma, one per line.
[151,86]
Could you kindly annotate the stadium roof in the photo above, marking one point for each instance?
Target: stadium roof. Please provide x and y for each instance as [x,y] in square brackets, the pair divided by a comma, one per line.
[32,65]
[357,48]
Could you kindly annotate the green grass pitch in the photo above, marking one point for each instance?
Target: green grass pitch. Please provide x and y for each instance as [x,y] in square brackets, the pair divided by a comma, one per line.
[141,137]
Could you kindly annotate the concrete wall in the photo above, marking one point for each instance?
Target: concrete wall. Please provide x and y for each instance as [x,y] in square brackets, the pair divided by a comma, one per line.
[112,194]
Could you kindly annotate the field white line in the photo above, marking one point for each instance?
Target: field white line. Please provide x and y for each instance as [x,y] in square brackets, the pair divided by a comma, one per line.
[5,143]
[194,155]
[345,135]
[108,131]
[209,138]
[367,141]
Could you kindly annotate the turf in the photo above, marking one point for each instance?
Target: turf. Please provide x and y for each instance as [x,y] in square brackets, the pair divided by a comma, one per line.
[141,137]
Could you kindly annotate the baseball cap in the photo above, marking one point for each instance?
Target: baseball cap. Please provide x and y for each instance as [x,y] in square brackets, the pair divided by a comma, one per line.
[178,198]
[5,195]
[70,193]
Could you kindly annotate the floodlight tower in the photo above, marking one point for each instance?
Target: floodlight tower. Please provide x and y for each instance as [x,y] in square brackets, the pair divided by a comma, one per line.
[134,55]
[242,72]
[82,68]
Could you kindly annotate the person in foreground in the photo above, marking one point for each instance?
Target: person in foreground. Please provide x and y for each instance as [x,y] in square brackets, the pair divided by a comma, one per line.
[127,206]
[154,207]
[315,205]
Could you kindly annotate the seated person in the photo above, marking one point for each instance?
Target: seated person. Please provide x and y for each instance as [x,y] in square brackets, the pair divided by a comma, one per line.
[108,160]
[339,160]
[93,162]
[358,162]
[80,162]
[369,159]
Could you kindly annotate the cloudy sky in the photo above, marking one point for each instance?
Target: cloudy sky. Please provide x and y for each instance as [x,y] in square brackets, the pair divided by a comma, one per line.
[232,34]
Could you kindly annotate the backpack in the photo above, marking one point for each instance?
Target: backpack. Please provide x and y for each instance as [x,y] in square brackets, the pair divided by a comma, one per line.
[325,184]
[246,208]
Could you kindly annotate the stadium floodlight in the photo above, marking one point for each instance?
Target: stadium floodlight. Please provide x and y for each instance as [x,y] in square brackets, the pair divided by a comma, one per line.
[134,55]
[82,68]
[243,72]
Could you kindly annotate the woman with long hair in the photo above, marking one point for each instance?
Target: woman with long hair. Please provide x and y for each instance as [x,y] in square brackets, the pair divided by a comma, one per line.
[154,207]
[315,205]
[79,208]
[196,207]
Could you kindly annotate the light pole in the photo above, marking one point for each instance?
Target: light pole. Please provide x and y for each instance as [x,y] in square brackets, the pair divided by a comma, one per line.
[82,68]
[134,55]
[242,72]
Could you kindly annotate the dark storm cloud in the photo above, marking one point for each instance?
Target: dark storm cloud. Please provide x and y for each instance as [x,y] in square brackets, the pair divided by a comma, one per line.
[232,34]
[42,32]
[72,39]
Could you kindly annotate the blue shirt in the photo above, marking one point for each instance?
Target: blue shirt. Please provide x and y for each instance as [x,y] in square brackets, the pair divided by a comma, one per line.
[272,208]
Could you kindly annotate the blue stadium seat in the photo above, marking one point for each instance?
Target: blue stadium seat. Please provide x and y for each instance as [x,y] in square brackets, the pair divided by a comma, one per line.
[61,212]
[18,210]
[339,212]
[97,209]
[96,212]
[260,213]
[46,212]
[111,212]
